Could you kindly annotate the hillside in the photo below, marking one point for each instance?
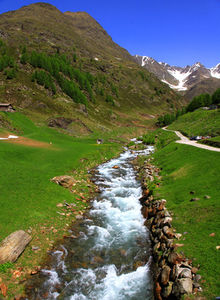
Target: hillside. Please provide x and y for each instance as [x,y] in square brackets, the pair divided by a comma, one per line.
[199,122]
[110,89]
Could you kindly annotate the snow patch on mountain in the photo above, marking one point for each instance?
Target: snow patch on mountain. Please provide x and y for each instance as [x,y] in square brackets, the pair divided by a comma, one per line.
[178,78]
[181,77]
[215,72]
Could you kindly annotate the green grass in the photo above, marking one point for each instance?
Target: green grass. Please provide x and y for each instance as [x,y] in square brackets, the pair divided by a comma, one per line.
[186,169]
[27,196]
[160,138]
[199,122]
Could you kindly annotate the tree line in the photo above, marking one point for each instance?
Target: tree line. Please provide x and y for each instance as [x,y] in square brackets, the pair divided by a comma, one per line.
[202,100]
[71,80]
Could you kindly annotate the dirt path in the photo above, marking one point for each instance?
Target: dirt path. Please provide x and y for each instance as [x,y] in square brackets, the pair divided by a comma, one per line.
[186,141]
[24,141]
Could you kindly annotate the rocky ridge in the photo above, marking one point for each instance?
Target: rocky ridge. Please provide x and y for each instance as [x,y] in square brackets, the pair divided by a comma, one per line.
[178,78]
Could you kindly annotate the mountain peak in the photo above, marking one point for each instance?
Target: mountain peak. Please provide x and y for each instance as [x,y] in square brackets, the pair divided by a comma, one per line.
[178,78]
[43,5]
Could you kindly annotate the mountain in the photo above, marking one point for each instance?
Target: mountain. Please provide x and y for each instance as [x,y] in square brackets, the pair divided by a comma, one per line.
[66,65]
[181,79]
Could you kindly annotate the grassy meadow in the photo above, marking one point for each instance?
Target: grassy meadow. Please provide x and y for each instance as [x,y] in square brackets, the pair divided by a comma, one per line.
[199,122]
[189,172]
[28,199]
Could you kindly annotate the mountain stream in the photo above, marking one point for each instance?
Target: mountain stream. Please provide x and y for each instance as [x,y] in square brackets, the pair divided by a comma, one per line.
[109,258]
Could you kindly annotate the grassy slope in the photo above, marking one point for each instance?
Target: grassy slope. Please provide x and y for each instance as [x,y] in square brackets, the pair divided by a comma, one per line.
[139,92]
[28,198]
[186,169]
[27,195]
[199,122]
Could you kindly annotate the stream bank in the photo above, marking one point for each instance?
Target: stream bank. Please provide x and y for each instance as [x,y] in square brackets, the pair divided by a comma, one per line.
[175,276]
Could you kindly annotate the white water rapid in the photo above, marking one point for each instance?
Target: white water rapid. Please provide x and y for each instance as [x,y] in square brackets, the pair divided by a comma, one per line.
[110,259]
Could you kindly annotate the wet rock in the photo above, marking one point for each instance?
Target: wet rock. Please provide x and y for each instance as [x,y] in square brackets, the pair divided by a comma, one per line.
[115,167]
[165,275]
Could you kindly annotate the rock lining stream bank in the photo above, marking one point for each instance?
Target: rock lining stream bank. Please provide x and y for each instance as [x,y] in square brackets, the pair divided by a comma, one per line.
[175,275]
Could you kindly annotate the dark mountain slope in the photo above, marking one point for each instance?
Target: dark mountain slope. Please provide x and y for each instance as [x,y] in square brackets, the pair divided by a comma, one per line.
[69,60]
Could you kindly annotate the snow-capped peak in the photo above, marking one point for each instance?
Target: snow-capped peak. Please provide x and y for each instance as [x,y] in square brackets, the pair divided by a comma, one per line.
[178,78]
[215,71]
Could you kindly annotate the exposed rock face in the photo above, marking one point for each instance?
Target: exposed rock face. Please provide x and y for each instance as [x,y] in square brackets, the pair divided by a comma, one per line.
[13,245]
[183,78]
[60,122]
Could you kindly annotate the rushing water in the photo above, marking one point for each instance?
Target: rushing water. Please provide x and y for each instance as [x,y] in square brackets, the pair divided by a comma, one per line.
[109,258]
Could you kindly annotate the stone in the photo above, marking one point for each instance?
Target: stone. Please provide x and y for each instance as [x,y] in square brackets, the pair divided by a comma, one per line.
[194,270]
[197,278]
[60,122]
[217,247]
[34,248]
[184,286]
[174,258]
[3,289]
[79,217]
[179,245]
[207,197]
[64,180]
[158,291]
[167,221]
[165,275]
[144,211]
[166,291]
[60,205]
[165,229]
[115,167]
[196,285]
[186,273]
[146,192]
[178,236]
[192,192]
[13,245]
[212,234]
[194,199]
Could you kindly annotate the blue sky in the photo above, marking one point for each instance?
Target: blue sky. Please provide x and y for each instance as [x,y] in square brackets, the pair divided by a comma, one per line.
[173,31]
